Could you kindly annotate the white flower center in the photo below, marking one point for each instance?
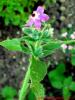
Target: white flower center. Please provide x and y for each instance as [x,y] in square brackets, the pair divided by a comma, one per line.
[35,16]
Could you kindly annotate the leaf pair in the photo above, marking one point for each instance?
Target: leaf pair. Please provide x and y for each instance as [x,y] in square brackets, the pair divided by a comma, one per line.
[15,45]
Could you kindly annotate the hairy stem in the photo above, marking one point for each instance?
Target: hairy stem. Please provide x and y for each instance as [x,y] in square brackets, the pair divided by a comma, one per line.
[25,84]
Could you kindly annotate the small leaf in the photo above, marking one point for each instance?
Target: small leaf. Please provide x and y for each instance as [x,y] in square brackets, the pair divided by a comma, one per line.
[56,81]
[50,47]
[8,92]
[67,81]
[31,33]
[27,30]
[72,86]
[38,70]
[66,93]
[11,44]
[66,88]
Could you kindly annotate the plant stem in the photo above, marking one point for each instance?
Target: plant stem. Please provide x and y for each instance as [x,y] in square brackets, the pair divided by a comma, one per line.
[69,41]
[25,84]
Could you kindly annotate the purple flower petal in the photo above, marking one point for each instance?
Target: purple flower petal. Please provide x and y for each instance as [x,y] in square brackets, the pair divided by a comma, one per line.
[37,24]
[40,9]
[30,23]
[44,17]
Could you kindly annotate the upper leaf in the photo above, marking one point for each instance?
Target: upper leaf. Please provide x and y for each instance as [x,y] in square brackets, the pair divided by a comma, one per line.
[50,47]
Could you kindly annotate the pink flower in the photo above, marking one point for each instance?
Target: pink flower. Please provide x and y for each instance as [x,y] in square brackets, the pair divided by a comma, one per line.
[64,46]
[37,18]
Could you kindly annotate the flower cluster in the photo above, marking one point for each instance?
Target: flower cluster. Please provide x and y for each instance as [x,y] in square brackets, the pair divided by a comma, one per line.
[37,18]
[65,34]
[64,46]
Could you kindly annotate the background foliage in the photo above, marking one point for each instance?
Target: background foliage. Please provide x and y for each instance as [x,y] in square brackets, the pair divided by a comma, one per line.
[16,11]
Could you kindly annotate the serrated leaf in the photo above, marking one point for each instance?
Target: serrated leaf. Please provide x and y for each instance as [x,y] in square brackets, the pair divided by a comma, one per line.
[11,44]
[72,86]
[38,70]
[8,92]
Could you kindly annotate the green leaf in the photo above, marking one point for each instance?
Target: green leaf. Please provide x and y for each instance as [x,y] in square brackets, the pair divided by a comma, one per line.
[67,81]
[56,81]
[25,47]
[32,33]
[66,93]
[57,84]
[38,90]
[52,1]
[38,70]
[27,30]
[66,88]
[61,68]
[50,47]
[72,86]
[11,44]
[31,96]
[73,60]
[54,78]
[8,92]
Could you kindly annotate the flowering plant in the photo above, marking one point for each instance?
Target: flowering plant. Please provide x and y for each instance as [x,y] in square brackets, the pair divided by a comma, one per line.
[38,42]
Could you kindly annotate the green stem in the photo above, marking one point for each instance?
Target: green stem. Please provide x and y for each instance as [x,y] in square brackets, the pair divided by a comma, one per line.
[69,41]
[25,85]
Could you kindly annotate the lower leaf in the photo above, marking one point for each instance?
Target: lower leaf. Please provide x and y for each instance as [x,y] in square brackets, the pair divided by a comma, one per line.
[38,90]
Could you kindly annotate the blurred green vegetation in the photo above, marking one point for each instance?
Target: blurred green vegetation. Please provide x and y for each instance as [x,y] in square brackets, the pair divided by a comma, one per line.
[8,93]
[15,12]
